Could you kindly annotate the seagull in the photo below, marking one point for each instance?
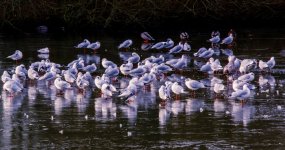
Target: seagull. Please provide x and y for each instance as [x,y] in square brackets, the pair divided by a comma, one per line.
[16,56]
[185,46]
[32,74]
[214,39]
[68,76]
[90,68]
[112,71]
[146,37]
[193,84]
[228,40]
[83,44]
[207,68]
[99,81]
[177,89]
[126,68]
[44,50]
[216,65]
[176,49]
[135,58]
[138,71]
[21,71]
[242,94]
[227,52]
[106,63]
[81,83]
[182,63]
[48,76]
[94,46]
[5,76]
[219,88]
[12,87]
[61,85]
[108,89]
[157,60]
[169,43]
[271,63]
[206,54]
[238,84]
[247,77]
[230,68]
[125,44]
[162,68]
[246,65]
[159,45]
[163,94]
[200,51]
[263,65]
[129,91]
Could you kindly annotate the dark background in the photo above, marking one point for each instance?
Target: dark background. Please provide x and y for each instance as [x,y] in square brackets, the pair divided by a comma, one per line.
[85,15]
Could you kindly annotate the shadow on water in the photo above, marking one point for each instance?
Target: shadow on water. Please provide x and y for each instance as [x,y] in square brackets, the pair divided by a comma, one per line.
[41,116]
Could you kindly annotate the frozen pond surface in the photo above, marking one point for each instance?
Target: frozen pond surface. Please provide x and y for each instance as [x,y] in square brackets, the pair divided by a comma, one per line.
[39,118]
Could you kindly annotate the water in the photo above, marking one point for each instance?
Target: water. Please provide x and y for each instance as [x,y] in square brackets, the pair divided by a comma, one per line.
[39,118]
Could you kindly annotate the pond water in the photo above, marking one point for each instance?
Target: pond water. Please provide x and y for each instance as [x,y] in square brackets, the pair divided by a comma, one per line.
[39,118]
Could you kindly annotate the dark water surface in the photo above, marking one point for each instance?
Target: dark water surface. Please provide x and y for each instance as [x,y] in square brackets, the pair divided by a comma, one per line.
[88,121]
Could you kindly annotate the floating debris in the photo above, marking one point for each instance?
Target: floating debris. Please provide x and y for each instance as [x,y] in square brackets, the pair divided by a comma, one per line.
[61,131]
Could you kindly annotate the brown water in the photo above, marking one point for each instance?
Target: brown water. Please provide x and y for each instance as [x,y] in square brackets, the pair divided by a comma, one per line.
[87,121]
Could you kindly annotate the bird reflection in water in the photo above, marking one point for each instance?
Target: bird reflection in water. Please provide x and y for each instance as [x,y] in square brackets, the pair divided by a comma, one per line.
[193,105]
[164,112]
[242,112]
[105,109]
[8,124]
[130,110]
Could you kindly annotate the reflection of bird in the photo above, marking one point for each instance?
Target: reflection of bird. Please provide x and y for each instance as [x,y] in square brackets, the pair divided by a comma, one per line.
[242,113]
[164,115]
[193,105]
[16,56]
[219,105]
